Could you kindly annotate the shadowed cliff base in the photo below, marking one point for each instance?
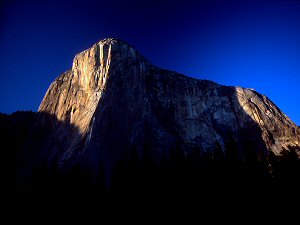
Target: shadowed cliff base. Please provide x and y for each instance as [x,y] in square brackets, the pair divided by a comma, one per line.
[243,173]
[206,179]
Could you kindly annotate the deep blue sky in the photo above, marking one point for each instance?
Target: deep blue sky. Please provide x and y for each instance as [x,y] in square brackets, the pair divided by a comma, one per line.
[253,44]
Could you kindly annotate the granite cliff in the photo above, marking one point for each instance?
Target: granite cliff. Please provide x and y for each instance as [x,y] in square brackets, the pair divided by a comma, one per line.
[114,102]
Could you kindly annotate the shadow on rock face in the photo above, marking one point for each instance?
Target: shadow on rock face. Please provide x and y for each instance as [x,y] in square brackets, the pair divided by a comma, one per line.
[145,136]
[245,173]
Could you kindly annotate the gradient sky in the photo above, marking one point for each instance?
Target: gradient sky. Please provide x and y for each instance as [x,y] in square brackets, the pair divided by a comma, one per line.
[253,44]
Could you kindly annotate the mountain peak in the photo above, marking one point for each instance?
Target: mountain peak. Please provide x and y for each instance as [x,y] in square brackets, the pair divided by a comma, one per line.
[118,102]
[111,40]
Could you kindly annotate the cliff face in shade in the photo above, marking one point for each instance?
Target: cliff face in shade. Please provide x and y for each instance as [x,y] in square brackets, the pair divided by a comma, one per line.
[114,101]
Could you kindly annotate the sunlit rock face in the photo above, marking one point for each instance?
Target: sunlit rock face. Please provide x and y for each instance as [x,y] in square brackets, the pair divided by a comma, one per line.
[115,102]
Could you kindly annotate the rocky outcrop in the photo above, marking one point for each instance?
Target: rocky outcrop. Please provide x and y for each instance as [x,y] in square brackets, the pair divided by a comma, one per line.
[114,101]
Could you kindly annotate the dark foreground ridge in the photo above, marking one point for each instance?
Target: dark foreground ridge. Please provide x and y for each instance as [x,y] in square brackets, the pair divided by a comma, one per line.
[116,130]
